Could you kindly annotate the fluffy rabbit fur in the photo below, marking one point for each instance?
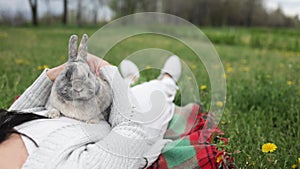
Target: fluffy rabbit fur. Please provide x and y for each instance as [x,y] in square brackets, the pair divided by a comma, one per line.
[77,92]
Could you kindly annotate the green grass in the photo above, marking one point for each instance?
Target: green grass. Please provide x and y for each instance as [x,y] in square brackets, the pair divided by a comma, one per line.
[262,71]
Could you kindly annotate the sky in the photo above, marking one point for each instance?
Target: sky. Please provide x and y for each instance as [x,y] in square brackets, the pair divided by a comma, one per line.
[289,7]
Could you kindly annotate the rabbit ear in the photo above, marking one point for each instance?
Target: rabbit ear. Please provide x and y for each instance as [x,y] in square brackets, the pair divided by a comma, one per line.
[82,51]
[73,48]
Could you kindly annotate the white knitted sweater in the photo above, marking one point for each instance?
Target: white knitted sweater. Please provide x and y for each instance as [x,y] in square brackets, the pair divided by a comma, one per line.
[88,146]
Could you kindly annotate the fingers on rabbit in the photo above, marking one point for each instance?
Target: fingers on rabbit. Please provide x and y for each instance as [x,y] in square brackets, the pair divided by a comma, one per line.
[73,47]
[82,51]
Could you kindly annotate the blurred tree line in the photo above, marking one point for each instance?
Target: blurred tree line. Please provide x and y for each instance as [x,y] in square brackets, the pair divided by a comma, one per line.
[79,12]
[211,12]
[199,12]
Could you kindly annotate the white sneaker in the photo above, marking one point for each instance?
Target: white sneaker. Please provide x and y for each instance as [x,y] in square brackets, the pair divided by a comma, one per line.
[172,67]
[129,71]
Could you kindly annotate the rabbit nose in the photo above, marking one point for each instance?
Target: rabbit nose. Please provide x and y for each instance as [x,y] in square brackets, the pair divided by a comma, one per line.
[77,87]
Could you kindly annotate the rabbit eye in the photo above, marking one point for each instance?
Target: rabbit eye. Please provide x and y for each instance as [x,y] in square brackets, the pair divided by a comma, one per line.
[68,75]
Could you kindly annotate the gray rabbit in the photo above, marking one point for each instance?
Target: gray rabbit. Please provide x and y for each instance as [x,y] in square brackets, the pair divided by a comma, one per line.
[77,92]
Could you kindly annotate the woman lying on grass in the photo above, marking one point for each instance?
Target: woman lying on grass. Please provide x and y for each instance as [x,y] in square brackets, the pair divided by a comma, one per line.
[33,141]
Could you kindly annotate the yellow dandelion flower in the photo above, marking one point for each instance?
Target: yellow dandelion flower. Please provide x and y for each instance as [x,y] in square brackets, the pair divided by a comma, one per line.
[21,62]
[45,66]
[219,103]
[289,83]
[193,66]
[294,166]
[281,65]
[299,160]
[246,69]
[223,122]
[203,87]
[229,69]
[268,147]
[39,68]
[219,159]
[148,67]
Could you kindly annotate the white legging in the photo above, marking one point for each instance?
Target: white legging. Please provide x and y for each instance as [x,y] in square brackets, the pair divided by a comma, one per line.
[168,88]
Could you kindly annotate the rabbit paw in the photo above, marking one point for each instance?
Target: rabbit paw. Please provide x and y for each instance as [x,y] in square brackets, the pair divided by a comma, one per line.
[53,114]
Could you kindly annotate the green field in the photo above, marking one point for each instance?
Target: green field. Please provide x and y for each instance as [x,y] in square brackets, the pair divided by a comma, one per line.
[262,71]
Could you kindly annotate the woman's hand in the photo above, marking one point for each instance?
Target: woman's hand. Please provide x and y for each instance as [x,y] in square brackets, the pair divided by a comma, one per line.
[96,63]
[54,72]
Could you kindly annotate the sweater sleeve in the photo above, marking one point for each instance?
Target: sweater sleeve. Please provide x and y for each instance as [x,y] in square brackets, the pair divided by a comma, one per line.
[123,147]
[86,146]
[124,104]
[36,95]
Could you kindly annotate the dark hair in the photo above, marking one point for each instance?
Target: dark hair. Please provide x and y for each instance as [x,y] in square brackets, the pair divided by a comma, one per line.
[11,119]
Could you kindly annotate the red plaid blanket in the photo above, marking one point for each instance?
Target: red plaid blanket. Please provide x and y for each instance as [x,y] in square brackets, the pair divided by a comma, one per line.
[193,132]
